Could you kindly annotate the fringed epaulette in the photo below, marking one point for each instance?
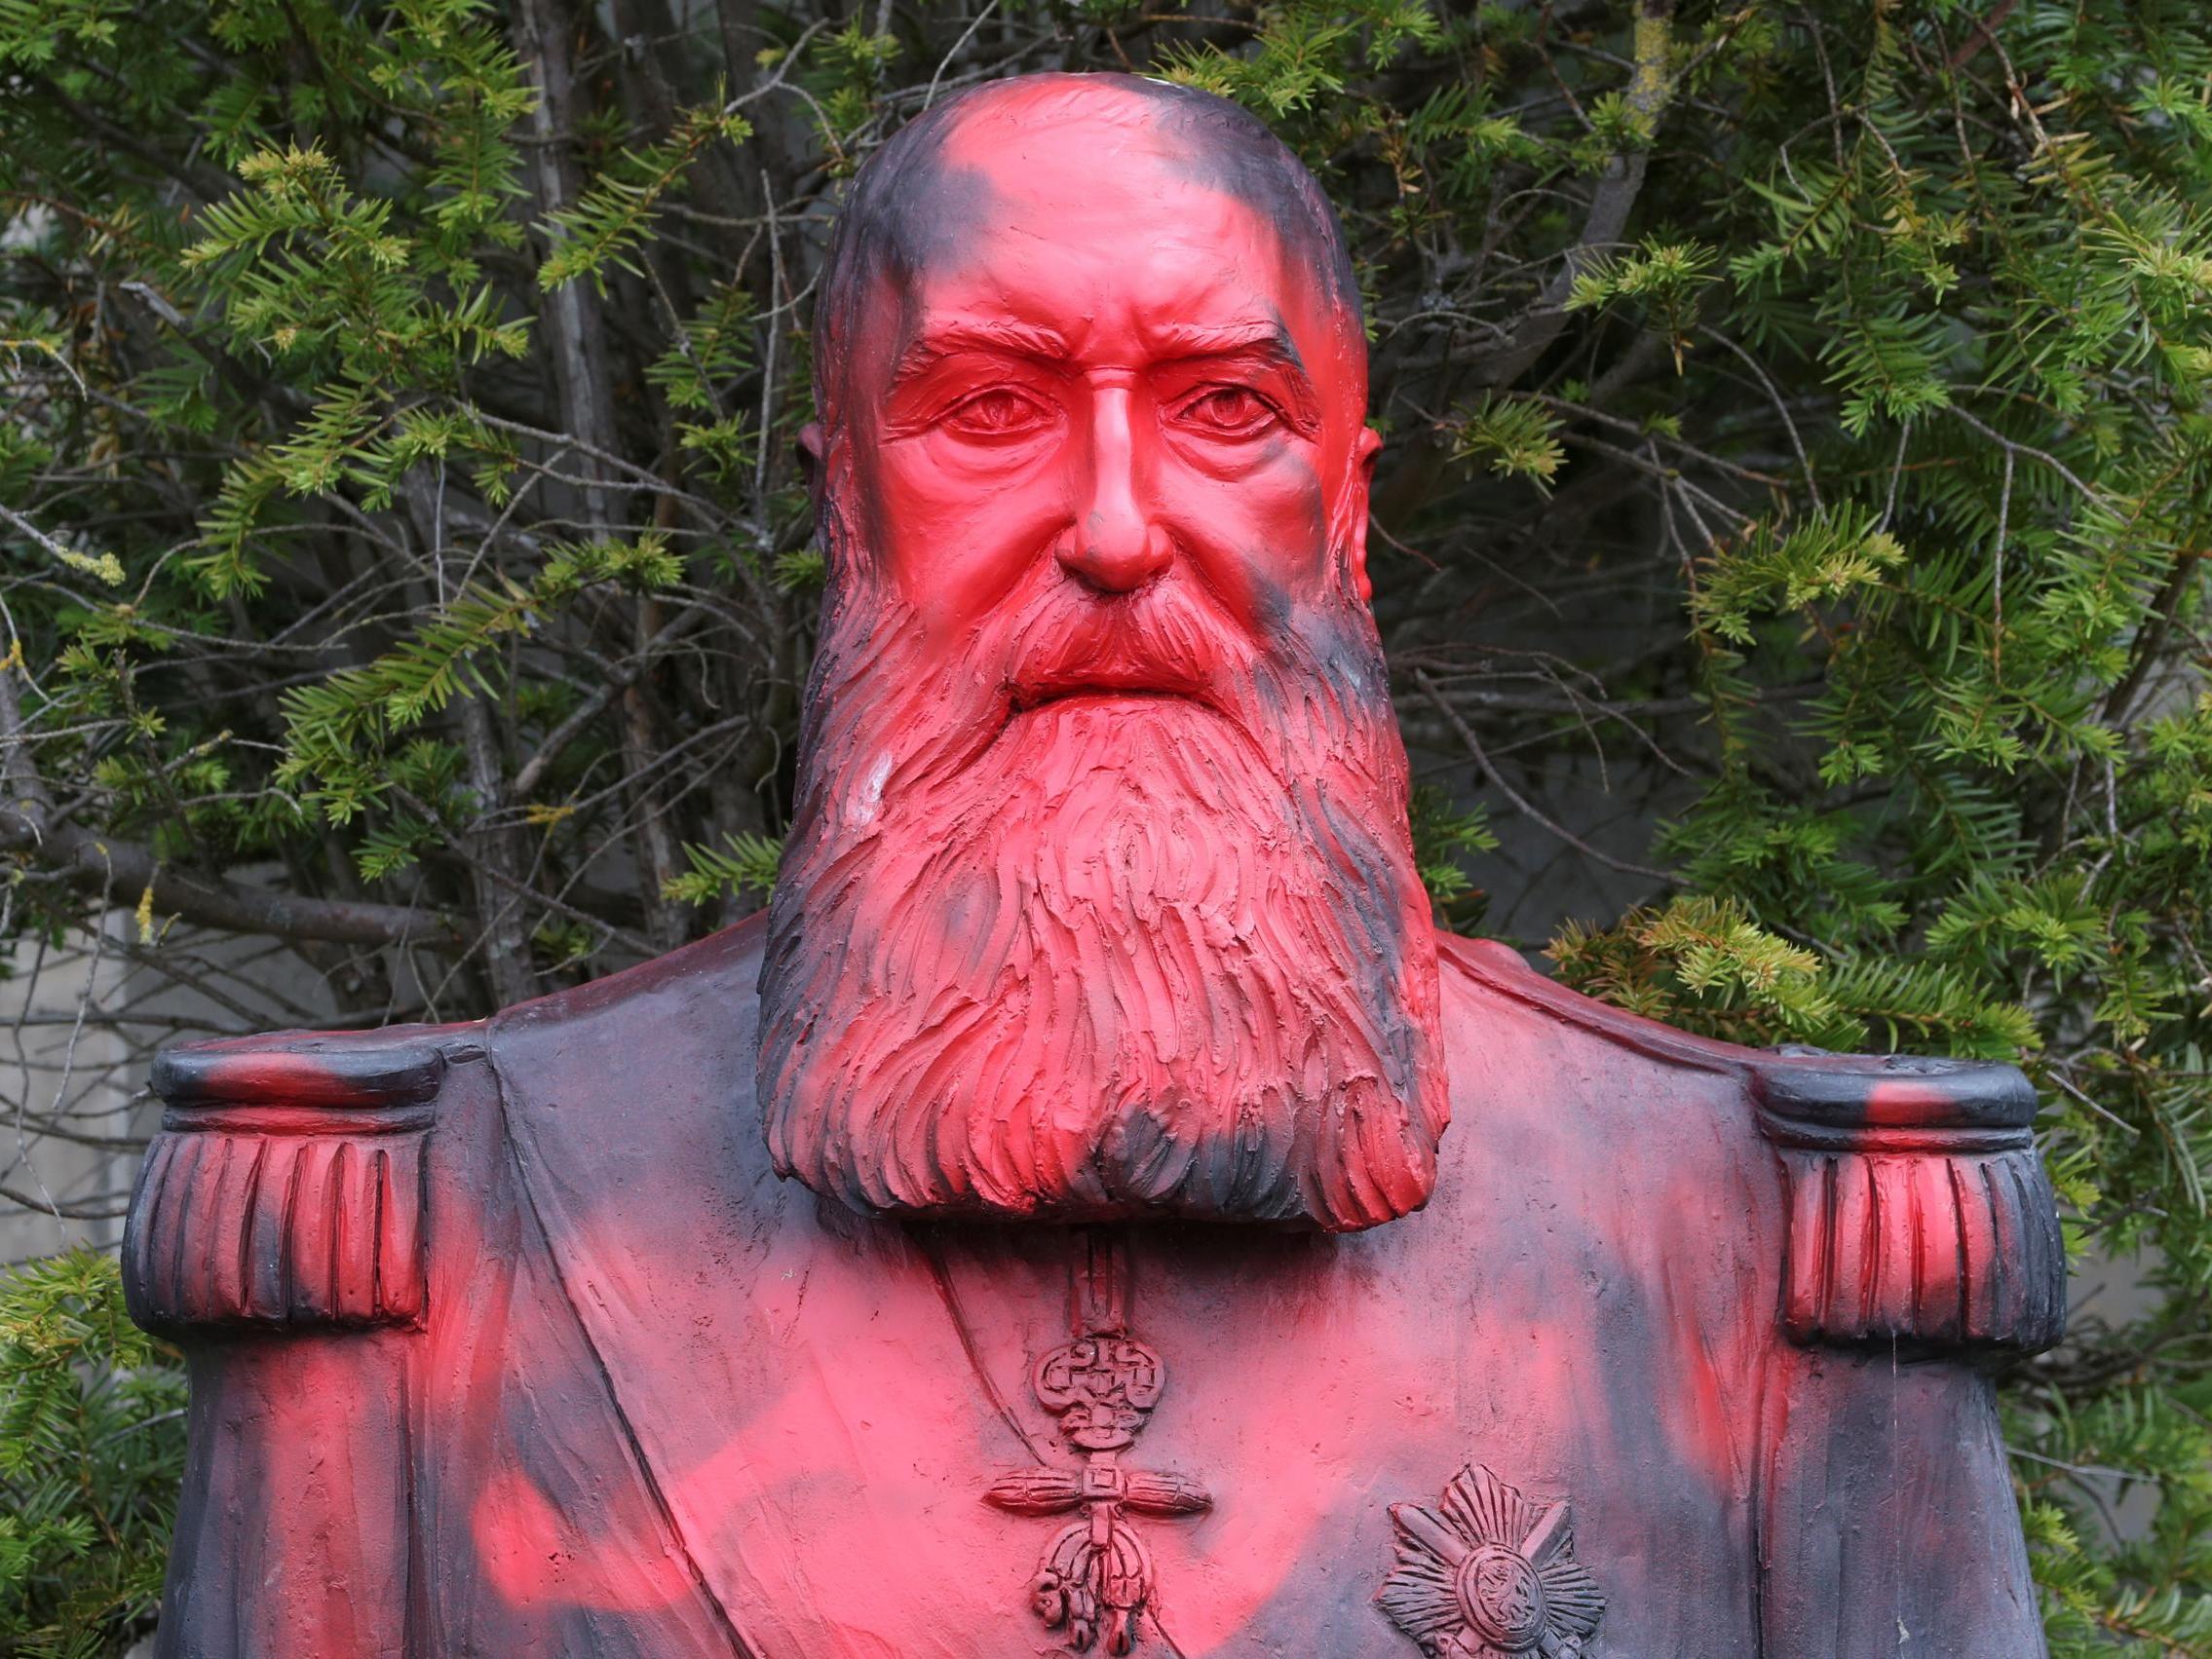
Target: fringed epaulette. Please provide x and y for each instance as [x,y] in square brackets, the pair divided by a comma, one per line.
[285,1188]
[1920,1212]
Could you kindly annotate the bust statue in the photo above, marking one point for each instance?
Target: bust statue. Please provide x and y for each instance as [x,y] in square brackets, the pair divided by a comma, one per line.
[1095,1210]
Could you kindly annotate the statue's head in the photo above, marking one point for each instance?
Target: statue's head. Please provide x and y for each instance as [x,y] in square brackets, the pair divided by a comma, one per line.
[1099,900]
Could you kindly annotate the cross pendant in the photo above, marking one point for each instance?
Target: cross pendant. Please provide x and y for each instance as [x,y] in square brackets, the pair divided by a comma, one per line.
[1097,1575]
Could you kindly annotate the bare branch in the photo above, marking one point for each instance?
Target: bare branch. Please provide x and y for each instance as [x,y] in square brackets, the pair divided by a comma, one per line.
[1520,801]
[1650,91]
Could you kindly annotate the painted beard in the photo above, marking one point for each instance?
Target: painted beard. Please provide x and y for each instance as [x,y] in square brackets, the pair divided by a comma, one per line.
[1114,917]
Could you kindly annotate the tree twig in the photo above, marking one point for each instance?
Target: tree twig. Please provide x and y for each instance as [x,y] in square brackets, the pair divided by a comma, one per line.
[1521,803]
[1650,91]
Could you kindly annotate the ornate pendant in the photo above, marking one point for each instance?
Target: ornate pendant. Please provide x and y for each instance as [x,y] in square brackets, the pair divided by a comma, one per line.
[1488,1573]
[1096,1574]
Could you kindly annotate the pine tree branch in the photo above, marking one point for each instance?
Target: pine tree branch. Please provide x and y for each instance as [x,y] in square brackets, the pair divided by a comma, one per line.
[93,862]
[1650,89]
[1981,34]
[533,770]
[97,863]
[507,947]
[206,183]
[2151,639]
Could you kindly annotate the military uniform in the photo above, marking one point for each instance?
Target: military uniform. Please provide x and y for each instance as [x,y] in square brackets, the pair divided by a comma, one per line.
[505,1340]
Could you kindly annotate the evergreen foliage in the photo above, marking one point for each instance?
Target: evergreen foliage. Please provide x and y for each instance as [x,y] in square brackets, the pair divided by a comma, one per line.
[1789,546]
[92,1449]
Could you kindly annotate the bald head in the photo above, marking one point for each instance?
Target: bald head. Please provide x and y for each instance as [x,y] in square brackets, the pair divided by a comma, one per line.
[950,182]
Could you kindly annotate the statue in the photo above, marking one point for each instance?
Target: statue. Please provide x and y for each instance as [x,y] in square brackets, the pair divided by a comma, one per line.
[1096,1211]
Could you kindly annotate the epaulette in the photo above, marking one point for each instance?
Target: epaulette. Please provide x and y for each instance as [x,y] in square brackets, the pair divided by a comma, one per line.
[1920,1212]
[285,1187]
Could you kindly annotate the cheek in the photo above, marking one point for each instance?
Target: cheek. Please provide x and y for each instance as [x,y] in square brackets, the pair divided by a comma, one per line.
[1262,535]
[957,530]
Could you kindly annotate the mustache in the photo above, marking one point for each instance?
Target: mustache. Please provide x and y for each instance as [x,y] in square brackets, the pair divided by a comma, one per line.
[1167,639]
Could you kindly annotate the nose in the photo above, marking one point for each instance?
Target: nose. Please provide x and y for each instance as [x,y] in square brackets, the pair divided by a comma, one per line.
[1114,546]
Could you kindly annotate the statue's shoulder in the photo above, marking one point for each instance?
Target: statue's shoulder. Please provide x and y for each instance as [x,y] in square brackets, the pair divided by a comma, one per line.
[283,1186]
[663,1047]
[719,974]
[1917,1207]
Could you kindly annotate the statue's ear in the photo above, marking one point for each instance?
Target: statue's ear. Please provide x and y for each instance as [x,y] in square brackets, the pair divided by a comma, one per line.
[809,454]
[1364,454]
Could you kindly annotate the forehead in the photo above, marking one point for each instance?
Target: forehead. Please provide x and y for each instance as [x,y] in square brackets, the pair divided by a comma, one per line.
[1105,217]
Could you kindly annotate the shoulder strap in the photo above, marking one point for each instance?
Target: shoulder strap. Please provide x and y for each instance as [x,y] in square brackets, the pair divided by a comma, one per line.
[283,1189]
[1918,1208]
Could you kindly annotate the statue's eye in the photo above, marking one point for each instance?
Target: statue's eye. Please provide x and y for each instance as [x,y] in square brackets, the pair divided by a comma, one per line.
[1229,411]
[998,413]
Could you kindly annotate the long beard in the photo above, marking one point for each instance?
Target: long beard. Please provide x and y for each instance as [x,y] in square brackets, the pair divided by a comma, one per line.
[1104,956]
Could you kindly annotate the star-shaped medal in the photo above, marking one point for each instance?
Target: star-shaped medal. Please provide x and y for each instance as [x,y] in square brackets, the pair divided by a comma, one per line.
[1489,1573]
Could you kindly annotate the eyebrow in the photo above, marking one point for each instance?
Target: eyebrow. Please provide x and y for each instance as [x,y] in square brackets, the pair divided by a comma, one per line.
[1219,339]
[1000,334]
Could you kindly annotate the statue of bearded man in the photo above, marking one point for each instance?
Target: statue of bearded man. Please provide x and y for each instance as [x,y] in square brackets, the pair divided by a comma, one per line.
[1096,1212]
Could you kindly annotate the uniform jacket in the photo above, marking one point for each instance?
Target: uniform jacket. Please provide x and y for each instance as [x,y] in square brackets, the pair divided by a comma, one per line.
[505,1340]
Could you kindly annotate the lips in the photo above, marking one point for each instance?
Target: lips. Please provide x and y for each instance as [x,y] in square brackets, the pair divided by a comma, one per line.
[1035,695]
